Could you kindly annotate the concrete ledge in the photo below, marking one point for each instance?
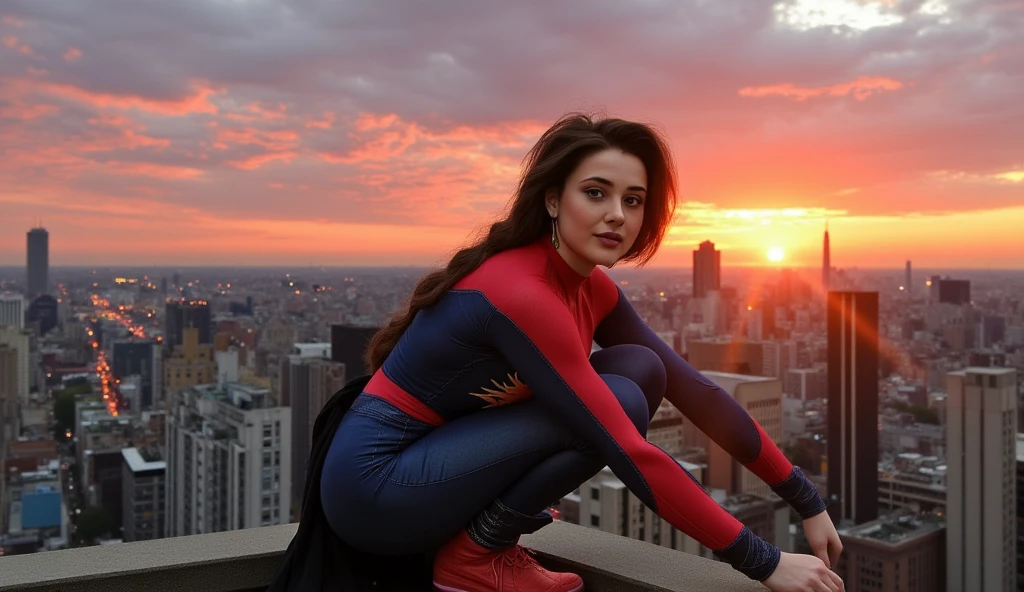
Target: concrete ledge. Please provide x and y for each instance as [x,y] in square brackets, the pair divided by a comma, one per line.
[611,563]
[245,560]
[218,562]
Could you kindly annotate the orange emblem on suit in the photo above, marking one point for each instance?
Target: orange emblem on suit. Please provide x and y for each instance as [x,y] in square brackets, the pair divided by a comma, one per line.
[505,394]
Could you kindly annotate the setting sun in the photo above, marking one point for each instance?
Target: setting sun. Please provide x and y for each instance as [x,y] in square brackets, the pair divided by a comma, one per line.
[776,254]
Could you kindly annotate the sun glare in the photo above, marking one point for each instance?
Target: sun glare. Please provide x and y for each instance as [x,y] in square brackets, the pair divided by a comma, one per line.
[776,254]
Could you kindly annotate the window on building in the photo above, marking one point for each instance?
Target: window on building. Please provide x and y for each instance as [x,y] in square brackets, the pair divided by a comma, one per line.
[595,521]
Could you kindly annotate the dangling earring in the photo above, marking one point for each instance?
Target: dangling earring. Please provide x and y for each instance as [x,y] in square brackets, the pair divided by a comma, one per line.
[554,233]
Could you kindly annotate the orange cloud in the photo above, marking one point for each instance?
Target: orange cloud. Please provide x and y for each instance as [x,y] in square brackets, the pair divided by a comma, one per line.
[72,54]
[149,169]
[129,135]
[24,112]
[269,139]
[861,88]
[324,123]
[12,42]
[255,162]
[255,112]
[197,102]
[12,21]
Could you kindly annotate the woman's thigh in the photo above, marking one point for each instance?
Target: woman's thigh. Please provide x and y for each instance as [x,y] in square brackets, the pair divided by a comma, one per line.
[397,502]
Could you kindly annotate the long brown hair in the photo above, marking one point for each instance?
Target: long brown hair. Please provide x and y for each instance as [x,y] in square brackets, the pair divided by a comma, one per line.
[548,164]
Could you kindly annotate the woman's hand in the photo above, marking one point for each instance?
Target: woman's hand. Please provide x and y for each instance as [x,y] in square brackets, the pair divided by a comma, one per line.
[803,573]
[823,539]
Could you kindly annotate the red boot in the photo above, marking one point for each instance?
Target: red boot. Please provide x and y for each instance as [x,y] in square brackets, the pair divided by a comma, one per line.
[462,565]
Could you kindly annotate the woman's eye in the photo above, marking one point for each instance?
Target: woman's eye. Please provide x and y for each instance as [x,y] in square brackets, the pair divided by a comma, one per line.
[634,201]
[595,192]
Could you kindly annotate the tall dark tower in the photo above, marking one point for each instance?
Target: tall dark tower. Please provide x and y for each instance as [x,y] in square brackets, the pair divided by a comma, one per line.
[826,265]
[853,404]
[186,314]
[909,281]
[348,346]
[707,269]
[38,262]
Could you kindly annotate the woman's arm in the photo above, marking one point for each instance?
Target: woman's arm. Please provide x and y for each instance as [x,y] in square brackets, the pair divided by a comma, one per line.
[713,410]
[535,332]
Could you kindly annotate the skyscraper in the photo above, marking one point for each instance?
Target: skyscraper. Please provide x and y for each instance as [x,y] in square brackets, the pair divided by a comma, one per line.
[312,382]
[183,314]
[908,283]
[981,452]
[707,269]
[348,346]
[956,292]
[12,310]
[826,264]
[38,262]
[853,404]
[228,460]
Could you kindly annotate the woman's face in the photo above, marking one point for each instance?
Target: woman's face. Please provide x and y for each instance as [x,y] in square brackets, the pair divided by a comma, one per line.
[600,209]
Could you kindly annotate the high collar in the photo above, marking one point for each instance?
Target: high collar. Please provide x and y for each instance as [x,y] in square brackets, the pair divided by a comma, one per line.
[570,278]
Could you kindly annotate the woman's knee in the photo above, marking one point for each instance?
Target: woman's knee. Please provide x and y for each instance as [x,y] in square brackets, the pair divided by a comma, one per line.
[632,399]
[639,364]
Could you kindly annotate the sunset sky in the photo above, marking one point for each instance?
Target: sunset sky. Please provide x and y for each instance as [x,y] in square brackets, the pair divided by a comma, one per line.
[267,132]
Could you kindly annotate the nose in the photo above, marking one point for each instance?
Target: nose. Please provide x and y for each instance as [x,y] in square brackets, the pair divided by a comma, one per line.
[615,214]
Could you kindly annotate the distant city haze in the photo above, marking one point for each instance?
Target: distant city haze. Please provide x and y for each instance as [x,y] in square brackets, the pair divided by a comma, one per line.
[318,133]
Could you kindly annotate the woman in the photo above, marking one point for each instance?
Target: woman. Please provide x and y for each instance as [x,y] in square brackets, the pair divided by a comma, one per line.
[485,406]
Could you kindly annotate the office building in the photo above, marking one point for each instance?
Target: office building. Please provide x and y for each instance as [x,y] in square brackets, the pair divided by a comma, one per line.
[38,268]
[727,355]
[312,381]
[19,341]
[142,357]
[761,397]
[184,314]
[348,346]
[826,264]
[981,499]
[957,292]
[604,503]
[908,281]
[911,481]
[853,404]
[12,310]
[144,480]
[228,460]
[188,364]
[9,402]
[807,384]
[1020,510]
[898,553]
[707,269]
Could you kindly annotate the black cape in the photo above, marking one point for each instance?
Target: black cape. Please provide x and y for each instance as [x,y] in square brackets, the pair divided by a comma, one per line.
[316,559]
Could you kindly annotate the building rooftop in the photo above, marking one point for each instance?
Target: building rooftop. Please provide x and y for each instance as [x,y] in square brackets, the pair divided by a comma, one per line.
[139,461]
[895,530]
[742,502]
[983,370]
[238,394]
[738,377]
[312,350]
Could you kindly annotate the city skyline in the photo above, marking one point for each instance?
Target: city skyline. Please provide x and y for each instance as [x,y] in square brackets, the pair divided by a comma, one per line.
[285,133]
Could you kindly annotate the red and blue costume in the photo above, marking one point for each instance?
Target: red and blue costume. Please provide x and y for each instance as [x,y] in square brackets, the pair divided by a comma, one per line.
[492,393]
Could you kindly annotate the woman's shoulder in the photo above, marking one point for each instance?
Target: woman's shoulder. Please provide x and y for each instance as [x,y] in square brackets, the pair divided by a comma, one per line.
[514,273]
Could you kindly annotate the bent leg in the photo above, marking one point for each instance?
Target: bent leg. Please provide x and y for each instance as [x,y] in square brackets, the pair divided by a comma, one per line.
[640,365]
[520,455]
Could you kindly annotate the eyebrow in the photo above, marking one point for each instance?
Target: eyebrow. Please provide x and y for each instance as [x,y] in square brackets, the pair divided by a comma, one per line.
[604,181]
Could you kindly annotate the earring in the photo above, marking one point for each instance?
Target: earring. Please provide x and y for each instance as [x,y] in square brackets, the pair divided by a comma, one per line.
[554,233]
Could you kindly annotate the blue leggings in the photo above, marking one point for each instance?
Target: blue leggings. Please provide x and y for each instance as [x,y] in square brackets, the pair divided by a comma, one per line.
[393,485]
